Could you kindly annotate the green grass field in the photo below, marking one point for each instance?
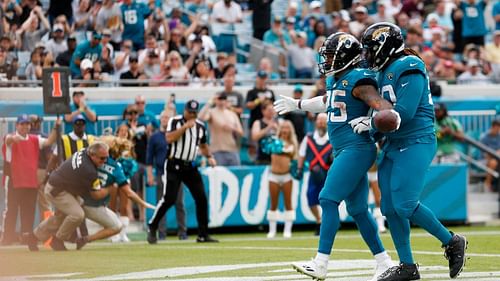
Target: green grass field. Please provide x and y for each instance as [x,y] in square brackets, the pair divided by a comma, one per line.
[248,256]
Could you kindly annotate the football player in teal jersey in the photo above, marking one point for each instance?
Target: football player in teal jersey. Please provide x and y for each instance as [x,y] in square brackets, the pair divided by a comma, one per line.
[351,93]
[408,151]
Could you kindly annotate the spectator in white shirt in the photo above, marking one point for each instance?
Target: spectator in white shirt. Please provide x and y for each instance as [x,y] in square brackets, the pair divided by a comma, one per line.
[57,44]
[302,57]
[227,11]
[473,75]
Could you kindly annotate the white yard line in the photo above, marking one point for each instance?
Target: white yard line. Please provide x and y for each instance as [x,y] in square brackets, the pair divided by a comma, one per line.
[313,250]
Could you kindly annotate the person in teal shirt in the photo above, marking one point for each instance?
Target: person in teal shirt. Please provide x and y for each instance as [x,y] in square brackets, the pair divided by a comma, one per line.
[408,151]
[133,15]
[90,49]
[277,36]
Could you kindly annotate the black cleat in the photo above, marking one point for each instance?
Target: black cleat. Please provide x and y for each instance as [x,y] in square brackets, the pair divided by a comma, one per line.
[30,240]
[152,235]
[57,244]
[402,272]
[183,236]
[81,242]
[206,239]
[454,252]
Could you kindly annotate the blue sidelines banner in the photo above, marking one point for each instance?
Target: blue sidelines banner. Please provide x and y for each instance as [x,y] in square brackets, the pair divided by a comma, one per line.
[239,196]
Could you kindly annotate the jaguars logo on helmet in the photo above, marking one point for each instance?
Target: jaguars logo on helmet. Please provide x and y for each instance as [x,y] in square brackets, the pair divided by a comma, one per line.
[381,42]
[339,52]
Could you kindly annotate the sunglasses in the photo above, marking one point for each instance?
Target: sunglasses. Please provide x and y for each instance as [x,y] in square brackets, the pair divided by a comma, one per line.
[140,102]
[103,158]
[127,46]
[79,123]
[131,112]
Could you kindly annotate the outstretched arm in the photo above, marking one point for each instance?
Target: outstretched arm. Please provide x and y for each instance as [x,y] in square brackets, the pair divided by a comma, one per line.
[287,104]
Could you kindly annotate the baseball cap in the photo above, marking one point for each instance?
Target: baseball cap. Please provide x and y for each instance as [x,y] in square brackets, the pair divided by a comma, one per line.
[106,32]
[79,117]
[39,44]
[278,18]
[298,88]
[439,106]
[192,106]
[361,9]
[315,4]
[24,118]
[133,57]
[262,74]
[81,93]
[290,20]
[96,35]
[301,34]
[58,27]
[222,96]
[472,62]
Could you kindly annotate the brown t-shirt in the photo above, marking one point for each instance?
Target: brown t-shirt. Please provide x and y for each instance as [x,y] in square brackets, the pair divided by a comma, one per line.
[222,139]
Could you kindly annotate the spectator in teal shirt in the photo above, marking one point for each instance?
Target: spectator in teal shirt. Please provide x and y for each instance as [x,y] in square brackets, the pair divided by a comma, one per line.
[276,36]
[133,15]
[90,49]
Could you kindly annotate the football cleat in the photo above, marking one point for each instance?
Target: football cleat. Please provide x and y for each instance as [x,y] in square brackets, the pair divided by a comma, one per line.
[81,242]
[455,254]
[152,235]
[316,270]
[381,268]
[57,244]
[206,239]
[402,272]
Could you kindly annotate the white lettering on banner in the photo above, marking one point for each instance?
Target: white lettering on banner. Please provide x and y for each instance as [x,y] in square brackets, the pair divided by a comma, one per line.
[257,214]
[217,177]
[221,207]
[304,205]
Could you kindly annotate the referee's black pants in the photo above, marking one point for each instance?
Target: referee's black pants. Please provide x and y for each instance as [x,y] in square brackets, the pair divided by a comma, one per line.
[178,172]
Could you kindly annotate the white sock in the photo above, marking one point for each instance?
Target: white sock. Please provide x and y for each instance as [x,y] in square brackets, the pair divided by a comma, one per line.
[323,258]
[125,221]
[288,227]
[272,226]
[381,257]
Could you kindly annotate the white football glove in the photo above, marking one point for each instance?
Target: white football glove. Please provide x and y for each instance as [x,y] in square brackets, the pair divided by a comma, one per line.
[361,124]
[399,119]
[285,105]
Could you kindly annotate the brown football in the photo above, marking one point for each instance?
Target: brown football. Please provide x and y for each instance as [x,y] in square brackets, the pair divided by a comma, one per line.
[385,121]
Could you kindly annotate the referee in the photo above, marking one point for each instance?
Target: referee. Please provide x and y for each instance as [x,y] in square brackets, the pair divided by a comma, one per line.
[184,134]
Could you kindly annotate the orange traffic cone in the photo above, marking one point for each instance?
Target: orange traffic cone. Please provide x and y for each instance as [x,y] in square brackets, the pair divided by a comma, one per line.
[46,215]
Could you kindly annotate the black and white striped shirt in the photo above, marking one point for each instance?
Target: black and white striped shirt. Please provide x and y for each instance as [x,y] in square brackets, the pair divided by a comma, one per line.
[186,147]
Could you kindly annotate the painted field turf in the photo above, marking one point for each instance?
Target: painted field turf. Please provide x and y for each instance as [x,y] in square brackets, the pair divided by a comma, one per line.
[248,256]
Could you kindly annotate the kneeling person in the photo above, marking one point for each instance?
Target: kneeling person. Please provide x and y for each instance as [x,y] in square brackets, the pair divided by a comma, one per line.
[74,179]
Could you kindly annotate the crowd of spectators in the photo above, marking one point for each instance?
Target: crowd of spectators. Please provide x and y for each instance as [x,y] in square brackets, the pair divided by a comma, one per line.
[171,43]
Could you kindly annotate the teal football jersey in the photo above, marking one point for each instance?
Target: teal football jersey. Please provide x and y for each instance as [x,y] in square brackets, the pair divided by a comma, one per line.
[343,107]
[393,90]
[109,173]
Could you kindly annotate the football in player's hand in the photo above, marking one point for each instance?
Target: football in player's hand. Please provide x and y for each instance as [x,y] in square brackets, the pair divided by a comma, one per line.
[386,121]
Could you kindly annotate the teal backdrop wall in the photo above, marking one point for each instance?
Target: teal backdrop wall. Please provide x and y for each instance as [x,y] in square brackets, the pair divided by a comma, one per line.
[239,196]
